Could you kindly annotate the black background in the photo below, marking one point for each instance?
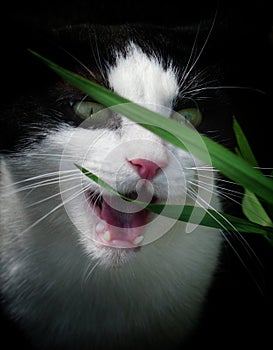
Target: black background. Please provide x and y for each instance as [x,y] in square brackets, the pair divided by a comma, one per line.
[239,311]
[242,33]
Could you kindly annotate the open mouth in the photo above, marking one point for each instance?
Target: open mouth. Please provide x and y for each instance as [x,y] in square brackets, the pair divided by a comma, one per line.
[121,223]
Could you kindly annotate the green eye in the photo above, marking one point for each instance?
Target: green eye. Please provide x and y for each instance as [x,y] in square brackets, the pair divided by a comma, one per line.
[192,115]
[85,109]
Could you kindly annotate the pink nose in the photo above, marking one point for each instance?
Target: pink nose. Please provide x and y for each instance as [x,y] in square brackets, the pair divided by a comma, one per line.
[146,168]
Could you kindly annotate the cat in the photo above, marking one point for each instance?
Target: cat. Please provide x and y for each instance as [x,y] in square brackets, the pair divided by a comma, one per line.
[80,268]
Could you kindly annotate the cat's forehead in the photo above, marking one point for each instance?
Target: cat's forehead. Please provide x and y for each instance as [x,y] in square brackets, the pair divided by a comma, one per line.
[143,77]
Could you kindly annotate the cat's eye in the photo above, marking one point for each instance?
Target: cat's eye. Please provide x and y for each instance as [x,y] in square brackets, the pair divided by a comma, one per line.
[95,115]
[85,109]
[192,115]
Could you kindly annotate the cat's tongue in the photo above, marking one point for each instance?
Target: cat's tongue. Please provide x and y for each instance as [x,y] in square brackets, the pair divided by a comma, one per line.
[123,229]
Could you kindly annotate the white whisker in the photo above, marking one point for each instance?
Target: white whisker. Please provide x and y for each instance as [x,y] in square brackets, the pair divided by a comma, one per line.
[198,199]
[182,79]
[219,192]
[41,176]
[205,168]
[225,87]
[87,274]
[44,183]
[262,168]
[80,62]
[205,207]
[202,48]
[52,155]
[217,188]
[218,179]
[96,55]
[53,196]
[64,202]
[237,234]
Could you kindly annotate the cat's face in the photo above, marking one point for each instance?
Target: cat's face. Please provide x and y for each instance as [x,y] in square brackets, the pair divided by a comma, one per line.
[128,157]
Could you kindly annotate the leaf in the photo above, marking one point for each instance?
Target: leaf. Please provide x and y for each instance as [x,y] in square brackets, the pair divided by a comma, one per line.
[209,218]
[179,135]
[254,211]
[251,206]
[243,145]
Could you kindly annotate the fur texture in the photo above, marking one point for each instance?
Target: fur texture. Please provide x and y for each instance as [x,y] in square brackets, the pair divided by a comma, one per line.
[67,291]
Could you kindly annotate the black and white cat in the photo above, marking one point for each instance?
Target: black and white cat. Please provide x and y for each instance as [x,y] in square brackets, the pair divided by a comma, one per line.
[79,269]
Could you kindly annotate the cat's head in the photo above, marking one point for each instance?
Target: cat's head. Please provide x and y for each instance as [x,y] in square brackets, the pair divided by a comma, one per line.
[62,122]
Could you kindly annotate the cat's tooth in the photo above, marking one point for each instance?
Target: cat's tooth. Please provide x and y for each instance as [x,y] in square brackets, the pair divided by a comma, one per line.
[138,240]
[100,227]
[107,236]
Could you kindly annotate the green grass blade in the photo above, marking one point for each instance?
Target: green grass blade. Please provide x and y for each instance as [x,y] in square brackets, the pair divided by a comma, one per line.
[243,145]
[209,217]
[254,211]
[181,136]
[251,206]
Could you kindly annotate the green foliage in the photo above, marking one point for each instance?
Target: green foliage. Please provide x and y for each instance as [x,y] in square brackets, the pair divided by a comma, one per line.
[251,205]
[209,217]
[240,168]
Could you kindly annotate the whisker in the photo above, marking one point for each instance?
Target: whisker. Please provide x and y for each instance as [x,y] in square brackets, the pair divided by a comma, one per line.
[87,274]
[48,182]
[53,196]
[191,56]
[262,168]
[96,55]
[210,207]
[226,87]
[41,176]
[53,155]
[205,168]
[216,187]
[218,179]
[64,202]
[98,198]
[81,63]
[237,234]
[221,194]
[202,48]
[195,83]
[193,101]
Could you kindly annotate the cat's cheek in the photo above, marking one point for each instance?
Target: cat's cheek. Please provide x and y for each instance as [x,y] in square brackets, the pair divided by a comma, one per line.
[82,217]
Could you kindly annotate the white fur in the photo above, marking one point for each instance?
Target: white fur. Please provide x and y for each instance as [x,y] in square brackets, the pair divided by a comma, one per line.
[66,290]
[143,79]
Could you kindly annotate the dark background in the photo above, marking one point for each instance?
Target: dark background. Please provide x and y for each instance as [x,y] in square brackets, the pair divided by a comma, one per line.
[242,36]
[239,311]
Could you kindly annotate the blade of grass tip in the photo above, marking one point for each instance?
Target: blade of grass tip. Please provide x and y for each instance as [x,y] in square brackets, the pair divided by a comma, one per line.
[243,144]
[222,159]
[254,211]
[251,206]
[215,219]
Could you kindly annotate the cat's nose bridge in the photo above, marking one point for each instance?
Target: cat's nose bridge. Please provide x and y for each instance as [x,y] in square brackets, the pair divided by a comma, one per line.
[144,151]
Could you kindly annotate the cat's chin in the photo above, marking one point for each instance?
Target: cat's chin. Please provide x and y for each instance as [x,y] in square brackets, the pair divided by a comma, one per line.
[110,257]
